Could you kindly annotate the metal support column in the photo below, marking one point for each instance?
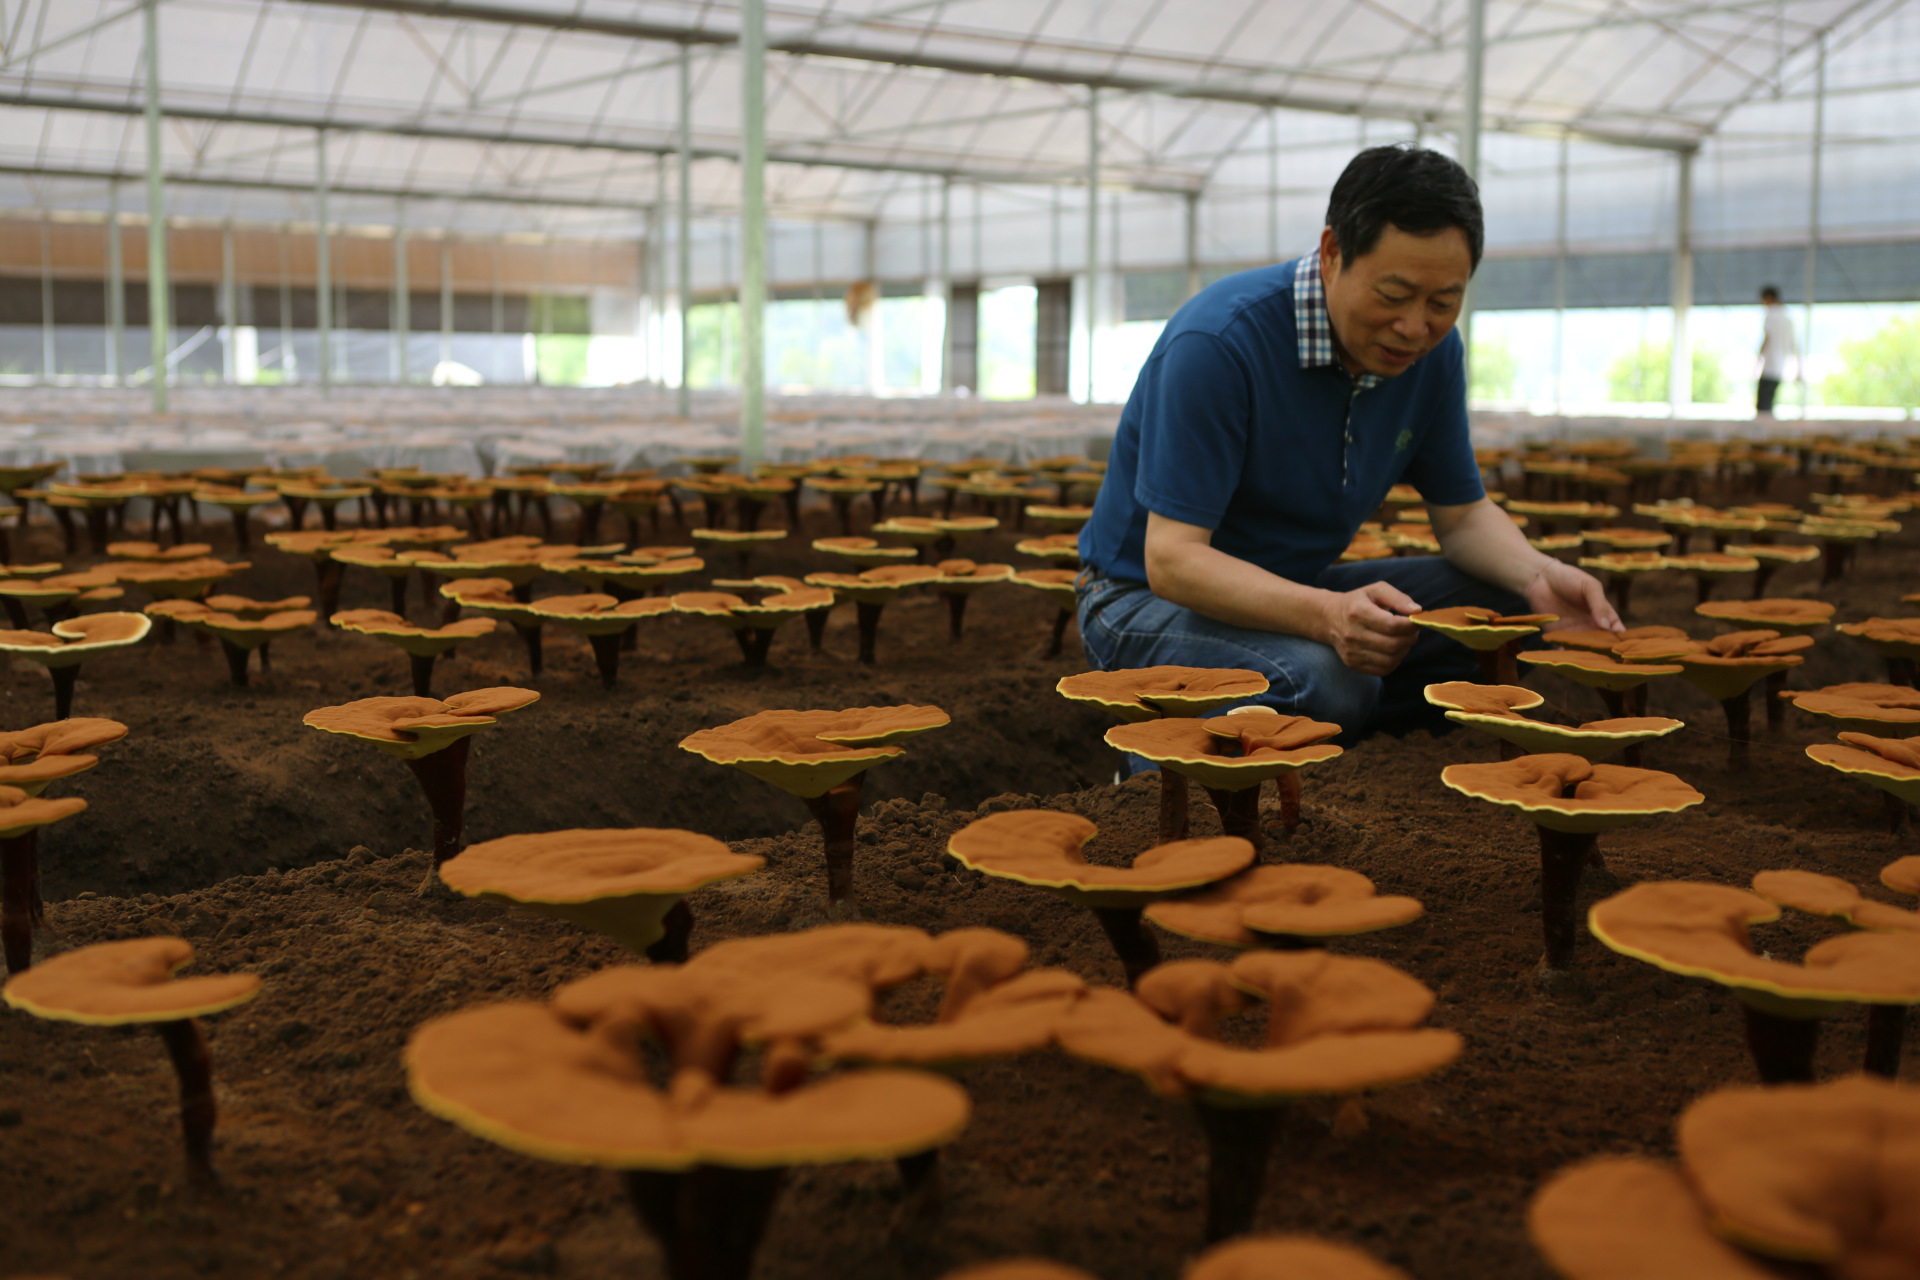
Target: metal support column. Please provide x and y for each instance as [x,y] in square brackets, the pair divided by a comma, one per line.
[875,322]
[945,284]
[402,297]
[446,299]
[1093,235]
[116,285]
[289,363]
[229,313]
[49,360]
[323,258]
[1680,366]
[683,242]
[1193,243]
[1560,284]
[159,290]
[1813,217]
[1471,100]
[753,232]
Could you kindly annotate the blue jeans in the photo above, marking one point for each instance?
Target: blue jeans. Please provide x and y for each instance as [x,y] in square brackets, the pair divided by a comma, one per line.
[1124,625]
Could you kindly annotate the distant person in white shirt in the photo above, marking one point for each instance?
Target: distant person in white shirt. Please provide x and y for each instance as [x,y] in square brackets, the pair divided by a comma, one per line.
[1777,346]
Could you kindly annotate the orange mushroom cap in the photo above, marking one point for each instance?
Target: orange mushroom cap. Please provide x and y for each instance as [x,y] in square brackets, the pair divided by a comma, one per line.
[1875,708]
[1630,1218]
[31,758]
[1779,614]
[808,753]
[409,638]
[1821,895]
[1285,1257]
[1265,746]
[1044,848]
[1598,671]
[115,983]
[1568,793]
[76,640]
[415,727]
[1146,693]
[1479,628]
[1596,640]
[1296,900]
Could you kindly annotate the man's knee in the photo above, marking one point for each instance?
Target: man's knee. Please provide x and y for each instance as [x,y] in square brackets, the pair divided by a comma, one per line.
[1317,684]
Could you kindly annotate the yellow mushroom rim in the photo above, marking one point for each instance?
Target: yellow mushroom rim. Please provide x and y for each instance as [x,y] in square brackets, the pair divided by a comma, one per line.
[1820,895]
[1775,553]
[77,640]
[1556,542]
[1057,583]
[1885,709]
[22,811]
[1628,539]
[1713,563]
[41,570]
[1146,693]
[414,727]
[154,551]
[1298,900]
[1888,763]
[424,642]
[1486,699]
[913,528]
[31,758]
[490,596]
[1701,931]
[736,613]
[737,537]
[1266,744]
[1889,637]
[1626,562]
[64,586]
[179,579]
[1604,796]
[1045,849]
[1597,640]
[1335,1025]
[248,633]
[1733,663]
[1056,546]
[596,615]
[619,882]
[809,753]
[865,550]
[1789,617]
[112,984]
[966,575]
[1479,628]
[875,586]
[1495,709]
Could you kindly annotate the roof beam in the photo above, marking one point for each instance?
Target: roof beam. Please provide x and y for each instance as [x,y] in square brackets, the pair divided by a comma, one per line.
[665,147]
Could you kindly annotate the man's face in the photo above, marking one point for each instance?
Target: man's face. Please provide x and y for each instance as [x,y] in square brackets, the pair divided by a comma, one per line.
[1394,305]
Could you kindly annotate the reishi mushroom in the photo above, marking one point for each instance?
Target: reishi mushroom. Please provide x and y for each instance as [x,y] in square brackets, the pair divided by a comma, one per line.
[957,582]
[603,620]
[1701,931]
[1496,708]
[1057,585]
[1887,710]
[871,591]
[434,737]
[1895,639]
[1291,906]
[1046,849]
[753,624]
[422,645]
[30,759]
[114,984]
[820,757]
[1727,667]
[1336,1025]
[1571,801]
[72,643]
[1494,638]
[628,883]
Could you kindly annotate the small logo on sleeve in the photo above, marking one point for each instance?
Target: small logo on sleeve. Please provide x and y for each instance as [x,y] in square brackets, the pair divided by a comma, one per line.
[1405,442]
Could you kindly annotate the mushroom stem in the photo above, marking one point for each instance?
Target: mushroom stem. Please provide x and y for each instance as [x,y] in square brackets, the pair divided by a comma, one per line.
[748,509]
[529,634]
[838,813]
[1136,947]
[1563,857]
[422,664]
[1833,562]
[816,629]
[194,1065]
[17,613]
[869,618]
[397,594]
[329,573]
[1703,584]
[443,776]
[1498,666]
[236,662]
[1776,705]
[606,656]
[1616,702]
[1782,1047]
[1288,785]
[19,897]
[1900,671]
[708,1220]
[1239,1140]
[673,944]
[63,682]
[956,613]
[1060,621]
[1173,806]
[1762,576]
[1239,814]
[1739,709]
[754,642]
[1886,1031]
[1622,585]
[1896,812]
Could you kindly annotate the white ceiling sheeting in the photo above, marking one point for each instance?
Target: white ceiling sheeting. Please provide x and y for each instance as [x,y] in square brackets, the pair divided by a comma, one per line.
[551,116]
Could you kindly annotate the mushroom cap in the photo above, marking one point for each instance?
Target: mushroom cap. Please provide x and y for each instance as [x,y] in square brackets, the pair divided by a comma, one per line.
[1482,699]
[1146,693]
[592,614]
[1018,1269]
[243,607]
[808,753]
[1862,707]
[1295,899]
[21,811]
[1596,640]
[1479,628]
[1630,1218]
[1054,546]
[1018,1015]
[1902,875]
[1287,1257]
[77,640]
[1656,648]
[618,882]
[1631,538]
[875,586]
[1713,564]
[967,576]
[425,642]
[1058,583]
[154,551]
[251,633]
[1626,562]
[737,537]
[568,1081]
[1777,614]
[113,983]
[1811,1172]
[1821,895]
[1890,637]
[1335,1025]
[1044,848]
[490,596]
[1604,795]
[864,550]
[1595,740]
[1598,671]
[31,758]
[1194,747]
[1700,930]
[415,727]
[1888,763]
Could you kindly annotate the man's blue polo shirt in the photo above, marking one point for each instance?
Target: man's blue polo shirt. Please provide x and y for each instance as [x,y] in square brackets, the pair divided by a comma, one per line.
[1244,422]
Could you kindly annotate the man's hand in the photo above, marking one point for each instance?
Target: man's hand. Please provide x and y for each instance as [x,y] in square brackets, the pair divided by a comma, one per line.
[1573,594]
[1368,628]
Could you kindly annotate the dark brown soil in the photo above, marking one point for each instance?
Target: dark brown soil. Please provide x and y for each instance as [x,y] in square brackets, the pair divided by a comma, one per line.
[330,1171]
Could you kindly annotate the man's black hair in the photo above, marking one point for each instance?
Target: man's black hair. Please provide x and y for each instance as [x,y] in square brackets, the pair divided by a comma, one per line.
[1419,191]
[1769,293]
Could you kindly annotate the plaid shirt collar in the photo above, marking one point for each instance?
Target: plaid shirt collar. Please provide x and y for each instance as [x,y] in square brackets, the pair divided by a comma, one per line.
[1315,328]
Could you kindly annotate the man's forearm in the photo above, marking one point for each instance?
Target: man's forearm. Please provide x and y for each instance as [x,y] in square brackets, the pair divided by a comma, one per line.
[1484,543]
[1231,590]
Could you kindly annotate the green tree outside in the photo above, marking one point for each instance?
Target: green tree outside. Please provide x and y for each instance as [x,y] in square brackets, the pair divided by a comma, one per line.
[1495,369]
[1643,374]
[1881,371]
